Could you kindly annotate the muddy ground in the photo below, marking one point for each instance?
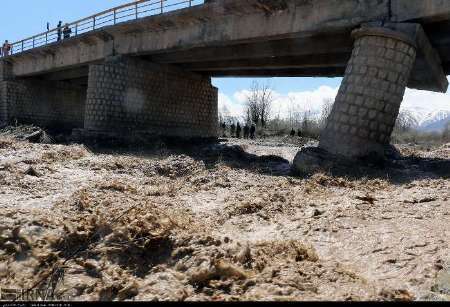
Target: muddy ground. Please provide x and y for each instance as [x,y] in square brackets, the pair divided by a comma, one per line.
[225,221]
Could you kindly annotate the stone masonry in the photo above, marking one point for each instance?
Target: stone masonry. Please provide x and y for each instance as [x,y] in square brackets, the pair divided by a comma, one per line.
[5,74]
[130,95]
[368,101]
[5,71]
[3,104]
[48,104]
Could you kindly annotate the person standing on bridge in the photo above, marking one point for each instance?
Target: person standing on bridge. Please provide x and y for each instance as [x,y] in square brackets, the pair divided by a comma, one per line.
[59,31]
[67,31]
[6,48]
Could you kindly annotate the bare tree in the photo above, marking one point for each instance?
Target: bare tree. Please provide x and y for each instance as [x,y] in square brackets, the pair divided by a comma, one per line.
[326,111]
[259,103]
[253,109]
[405,121]
[265,102]
[224,114]
[292,110]
[306,121]
[221,116]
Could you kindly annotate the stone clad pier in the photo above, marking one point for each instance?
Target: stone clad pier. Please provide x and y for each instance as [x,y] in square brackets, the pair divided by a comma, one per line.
[368,101]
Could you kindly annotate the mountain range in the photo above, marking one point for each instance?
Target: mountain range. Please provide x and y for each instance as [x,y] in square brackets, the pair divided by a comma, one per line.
[427,121]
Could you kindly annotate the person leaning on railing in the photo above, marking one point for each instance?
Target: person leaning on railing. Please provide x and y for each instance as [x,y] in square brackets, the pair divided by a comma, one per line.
[6,48]
[67,31]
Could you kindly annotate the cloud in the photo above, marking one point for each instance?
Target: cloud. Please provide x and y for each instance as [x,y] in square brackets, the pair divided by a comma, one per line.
[425,100]
[312,101]
[229,107]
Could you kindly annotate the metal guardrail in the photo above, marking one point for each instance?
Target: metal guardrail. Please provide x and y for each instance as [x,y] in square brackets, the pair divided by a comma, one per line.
[127,12]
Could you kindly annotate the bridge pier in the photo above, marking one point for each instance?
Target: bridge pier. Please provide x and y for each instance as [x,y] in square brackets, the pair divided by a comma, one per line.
[51,104]
[5,74]
[126,96]
[368,102]
[3,105]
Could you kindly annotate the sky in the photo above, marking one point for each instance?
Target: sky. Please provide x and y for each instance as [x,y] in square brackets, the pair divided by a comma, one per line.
[24,18]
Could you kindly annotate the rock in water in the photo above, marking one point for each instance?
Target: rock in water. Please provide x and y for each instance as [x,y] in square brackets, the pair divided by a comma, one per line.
[312,159]
[32,172]
[34,137]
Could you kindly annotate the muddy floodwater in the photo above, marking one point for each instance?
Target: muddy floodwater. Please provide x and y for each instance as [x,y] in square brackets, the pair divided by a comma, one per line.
[224,221]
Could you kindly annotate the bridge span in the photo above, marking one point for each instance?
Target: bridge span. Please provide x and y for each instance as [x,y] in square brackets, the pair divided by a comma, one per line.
[147,65]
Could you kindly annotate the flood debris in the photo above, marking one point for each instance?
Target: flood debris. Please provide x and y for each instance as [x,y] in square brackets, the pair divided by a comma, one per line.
[192,225]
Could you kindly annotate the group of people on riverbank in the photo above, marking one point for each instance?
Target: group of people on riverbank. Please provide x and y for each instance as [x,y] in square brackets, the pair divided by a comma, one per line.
[249,131]
[61,33]
[299,132]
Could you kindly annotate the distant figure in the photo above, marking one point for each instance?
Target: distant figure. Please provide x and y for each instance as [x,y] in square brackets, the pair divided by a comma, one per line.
[232,129]
[299,133]
[238,130]
[67,31]
[246,131]
[6,49]
[224,129]
[59,31]
[292,132]
[252,131]
[48,26]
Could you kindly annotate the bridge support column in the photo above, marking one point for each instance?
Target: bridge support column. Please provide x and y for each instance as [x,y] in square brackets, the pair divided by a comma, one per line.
[5,75]
[130,96]
[3,103]
[368,101]
[51,104]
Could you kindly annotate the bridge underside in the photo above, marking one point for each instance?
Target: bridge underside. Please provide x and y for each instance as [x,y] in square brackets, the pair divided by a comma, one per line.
[251,38]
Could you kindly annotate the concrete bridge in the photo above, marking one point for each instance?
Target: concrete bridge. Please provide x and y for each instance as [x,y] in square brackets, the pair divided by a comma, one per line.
[147,66]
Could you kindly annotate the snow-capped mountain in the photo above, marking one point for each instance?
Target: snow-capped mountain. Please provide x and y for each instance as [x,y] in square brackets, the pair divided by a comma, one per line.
[435,120]
[430,121]
[431,110]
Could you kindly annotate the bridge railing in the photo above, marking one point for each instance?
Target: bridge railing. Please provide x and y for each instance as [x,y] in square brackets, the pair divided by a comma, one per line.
[127,12]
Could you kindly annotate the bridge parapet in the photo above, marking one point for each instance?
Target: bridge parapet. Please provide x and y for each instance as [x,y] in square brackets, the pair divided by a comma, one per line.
[124,13]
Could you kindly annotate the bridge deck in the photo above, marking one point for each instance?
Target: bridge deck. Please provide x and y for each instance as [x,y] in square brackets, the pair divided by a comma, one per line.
[238,38]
